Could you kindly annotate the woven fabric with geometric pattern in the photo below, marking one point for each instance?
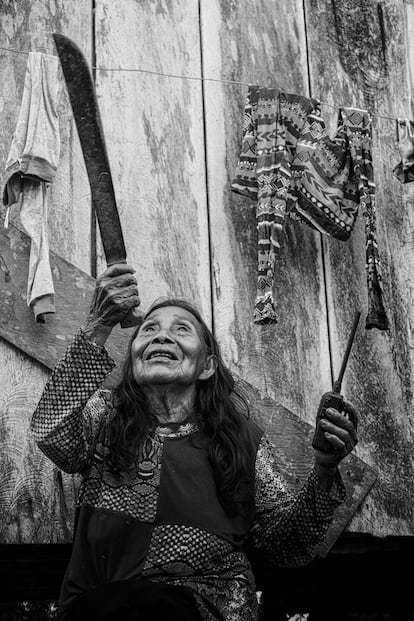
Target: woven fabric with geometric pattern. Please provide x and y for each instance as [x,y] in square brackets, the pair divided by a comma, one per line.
[291,167]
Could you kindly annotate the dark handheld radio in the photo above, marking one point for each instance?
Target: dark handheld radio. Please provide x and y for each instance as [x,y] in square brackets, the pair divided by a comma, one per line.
[334,399]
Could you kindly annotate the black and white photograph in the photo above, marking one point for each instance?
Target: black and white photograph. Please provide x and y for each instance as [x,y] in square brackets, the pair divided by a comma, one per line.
[206,310]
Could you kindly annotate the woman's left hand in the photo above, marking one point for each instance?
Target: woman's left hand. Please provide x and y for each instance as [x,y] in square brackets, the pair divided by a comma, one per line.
[341,434]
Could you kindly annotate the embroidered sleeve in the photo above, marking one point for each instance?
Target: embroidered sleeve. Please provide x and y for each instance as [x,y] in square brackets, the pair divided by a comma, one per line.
[245,179]
[69,415]
[288,526]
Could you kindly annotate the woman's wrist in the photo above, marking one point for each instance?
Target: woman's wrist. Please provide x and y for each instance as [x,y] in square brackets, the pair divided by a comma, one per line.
[326,475]
[96,333]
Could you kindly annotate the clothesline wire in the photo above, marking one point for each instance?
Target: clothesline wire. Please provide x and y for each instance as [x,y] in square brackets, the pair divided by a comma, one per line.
[189,77]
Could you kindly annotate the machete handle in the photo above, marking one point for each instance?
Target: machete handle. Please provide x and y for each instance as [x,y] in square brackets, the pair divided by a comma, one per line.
[133,318]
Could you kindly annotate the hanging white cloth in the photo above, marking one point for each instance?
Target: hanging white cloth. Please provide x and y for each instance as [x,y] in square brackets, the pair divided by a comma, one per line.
[30,168]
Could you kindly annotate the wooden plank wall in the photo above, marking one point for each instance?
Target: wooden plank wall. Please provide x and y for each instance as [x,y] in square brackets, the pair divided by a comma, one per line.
[173,146]
[290,361]
[358,54]
[154,129]
[34,495]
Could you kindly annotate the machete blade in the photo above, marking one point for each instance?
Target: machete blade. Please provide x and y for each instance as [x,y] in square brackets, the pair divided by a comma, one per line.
[85,109]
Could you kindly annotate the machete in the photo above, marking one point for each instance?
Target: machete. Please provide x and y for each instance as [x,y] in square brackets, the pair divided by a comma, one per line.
[85,110]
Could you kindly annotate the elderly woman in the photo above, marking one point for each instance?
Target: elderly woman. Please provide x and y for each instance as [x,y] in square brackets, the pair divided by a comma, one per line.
[175,478]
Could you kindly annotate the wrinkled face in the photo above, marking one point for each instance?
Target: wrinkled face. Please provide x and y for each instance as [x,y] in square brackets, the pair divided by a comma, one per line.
[169,349]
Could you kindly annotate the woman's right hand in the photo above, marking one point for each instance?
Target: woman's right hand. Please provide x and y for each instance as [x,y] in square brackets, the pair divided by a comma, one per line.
[116,293]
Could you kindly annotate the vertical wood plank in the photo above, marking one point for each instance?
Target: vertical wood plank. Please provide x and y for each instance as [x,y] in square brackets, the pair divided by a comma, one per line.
[28,26]
[36,501]
[154,131]
[358,56]
[260,43]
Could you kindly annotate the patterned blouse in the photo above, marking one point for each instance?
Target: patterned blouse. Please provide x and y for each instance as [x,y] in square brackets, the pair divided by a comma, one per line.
[162,519]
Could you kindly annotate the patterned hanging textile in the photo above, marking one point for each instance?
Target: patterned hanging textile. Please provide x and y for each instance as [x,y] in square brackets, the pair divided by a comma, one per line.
[358,126]
[273,122]
[291,166]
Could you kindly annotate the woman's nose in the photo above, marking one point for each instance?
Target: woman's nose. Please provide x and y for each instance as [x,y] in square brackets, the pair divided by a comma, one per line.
[162,337]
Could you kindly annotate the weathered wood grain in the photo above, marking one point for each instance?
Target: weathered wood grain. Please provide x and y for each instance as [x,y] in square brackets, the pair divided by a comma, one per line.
[27,26]
[46,342]
[358,56]
[260,43]
[34,498]
[409,36]
[154,131]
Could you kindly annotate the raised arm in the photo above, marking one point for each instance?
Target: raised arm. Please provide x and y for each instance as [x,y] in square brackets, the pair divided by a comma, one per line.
[72,408]
[287,526]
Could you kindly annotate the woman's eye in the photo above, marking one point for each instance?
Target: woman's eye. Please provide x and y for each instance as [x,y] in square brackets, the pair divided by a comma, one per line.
[183,328]
[148,328]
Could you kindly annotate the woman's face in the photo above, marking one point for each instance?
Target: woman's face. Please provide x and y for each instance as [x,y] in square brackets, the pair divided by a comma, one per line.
[169,348]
